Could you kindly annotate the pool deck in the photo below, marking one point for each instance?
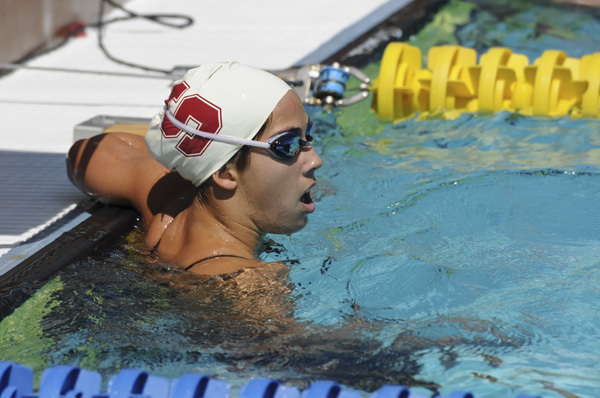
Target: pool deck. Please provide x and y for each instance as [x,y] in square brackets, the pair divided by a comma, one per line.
[41,108]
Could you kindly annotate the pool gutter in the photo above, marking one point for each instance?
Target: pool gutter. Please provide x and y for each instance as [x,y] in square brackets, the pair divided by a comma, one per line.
[104,225]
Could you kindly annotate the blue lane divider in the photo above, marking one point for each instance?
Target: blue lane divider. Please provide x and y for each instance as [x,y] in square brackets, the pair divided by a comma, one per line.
[328,389]
[16,381]
[132,383]
[69,381]
[458,394]
[395,392]
[198,386]
[267,388]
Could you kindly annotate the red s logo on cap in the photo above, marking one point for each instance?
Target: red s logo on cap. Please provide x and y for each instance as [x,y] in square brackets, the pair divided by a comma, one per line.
[196,112]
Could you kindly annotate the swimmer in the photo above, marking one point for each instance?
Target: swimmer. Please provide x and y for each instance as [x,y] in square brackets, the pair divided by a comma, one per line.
[226,161]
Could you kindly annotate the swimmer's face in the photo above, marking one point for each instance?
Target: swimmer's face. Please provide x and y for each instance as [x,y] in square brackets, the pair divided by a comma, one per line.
[278,190]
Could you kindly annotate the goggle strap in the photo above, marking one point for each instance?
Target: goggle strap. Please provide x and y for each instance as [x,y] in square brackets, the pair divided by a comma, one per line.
[226,139]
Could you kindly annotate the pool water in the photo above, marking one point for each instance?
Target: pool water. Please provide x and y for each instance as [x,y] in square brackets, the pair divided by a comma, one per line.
[479,234]
[444,254]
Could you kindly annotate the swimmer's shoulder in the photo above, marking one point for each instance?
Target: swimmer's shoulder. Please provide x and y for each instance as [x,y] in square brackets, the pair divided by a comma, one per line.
[168,203]
[159,194]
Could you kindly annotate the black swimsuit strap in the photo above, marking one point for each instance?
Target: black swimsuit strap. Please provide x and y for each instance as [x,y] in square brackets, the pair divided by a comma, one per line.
[211,257]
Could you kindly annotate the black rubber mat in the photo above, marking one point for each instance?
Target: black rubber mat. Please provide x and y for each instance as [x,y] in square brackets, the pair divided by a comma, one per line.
[34,189]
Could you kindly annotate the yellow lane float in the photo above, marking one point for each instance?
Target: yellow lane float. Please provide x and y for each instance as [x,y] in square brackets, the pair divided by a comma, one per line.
[453,83]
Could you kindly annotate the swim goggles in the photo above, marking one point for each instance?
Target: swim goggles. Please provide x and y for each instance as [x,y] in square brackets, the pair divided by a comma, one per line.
[284,145]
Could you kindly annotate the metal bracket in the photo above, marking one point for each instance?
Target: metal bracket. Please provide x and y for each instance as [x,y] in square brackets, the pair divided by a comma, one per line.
[325,85]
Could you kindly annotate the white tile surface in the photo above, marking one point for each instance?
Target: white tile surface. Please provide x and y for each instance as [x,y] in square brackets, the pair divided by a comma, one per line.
[41,108]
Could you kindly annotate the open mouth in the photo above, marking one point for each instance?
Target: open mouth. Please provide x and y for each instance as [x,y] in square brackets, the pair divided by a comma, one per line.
[307,201]
[306,198]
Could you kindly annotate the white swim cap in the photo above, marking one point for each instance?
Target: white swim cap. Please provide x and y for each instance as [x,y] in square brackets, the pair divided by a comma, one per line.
[226,99]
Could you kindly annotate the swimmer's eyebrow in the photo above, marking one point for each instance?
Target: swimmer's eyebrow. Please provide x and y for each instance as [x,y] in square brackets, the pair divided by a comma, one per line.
[297,130]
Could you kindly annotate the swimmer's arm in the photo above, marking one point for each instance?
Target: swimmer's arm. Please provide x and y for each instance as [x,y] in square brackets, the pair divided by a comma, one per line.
[116,169]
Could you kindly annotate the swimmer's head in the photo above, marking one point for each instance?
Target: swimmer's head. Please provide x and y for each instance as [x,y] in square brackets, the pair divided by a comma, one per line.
[227,99]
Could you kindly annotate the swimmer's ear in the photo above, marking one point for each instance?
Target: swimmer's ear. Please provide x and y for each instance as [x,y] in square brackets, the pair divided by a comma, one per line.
[226,177]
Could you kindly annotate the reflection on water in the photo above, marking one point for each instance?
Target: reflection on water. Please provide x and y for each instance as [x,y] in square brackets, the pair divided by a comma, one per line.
[122,309]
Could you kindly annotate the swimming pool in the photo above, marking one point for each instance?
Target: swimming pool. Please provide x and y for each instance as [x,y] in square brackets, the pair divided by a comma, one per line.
[450,255]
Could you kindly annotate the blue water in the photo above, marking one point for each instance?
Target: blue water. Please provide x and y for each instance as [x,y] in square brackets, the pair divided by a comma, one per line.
[480,234]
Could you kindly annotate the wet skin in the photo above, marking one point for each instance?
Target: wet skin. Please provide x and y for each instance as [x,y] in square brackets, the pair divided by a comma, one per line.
[269,196]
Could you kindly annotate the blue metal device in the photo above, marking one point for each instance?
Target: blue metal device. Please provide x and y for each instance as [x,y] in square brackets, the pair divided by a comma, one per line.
[325,85]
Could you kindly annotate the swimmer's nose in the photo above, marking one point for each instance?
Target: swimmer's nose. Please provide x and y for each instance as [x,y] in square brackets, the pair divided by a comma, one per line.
[313,160]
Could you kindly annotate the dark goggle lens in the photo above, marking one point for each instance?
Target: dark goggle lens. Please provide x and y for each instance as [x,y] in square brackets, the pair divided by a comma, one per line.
[287,145]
